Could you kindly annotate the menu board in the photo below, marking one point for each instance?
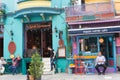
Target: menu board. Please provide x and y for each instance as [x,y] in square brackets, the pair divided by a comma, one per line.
[61,52]
[117,41]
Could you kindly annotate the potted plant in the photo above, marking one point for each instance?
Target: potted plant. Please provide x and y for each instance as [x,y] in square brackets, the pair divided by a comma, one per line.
[36,67]
[2,12]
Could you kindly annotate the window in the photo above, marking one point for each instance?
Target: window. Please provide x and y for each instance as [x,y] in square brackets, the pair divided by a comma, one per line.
[89,44]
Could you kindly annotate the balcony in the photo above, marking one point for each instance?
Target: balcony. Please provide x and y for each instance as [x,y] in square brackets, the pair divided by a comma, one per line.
[95,11]
[35,8]
[22,4]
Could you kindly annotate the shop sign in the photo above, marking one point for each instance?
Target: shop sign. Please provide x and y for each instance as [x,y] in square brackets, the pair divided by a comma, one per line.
[12,47]
[38,25]
[94,31]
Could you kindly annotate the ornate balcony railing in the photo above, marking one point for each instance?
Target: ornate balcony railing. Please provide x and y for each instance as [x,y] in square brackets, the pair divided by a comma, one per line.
[90,11]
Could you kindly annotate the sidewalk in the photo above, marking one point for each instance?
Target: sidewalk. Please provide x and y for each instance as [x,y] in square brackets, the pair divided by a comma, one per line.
[65,76]
[13,77]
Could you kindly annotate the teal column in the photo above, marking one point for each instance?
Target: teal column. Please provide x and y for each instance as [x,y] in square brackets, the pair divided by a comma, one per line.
[98,44]
[114,54]
[77,45]
[23,67]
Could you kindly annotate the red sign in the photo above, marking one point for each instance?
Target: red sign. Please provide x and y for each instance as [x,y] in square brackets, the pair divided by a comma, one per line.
[12,47]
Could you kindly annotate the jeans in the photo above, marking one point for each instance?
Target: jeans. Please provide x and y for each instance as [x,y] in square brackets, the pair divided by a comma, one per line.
[52,63]
[13,69]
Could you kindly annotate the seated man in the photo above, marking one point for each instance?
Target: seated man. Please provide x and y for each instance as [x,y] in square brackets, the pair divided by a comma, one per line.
[15,64]
[2,68]
[100,62]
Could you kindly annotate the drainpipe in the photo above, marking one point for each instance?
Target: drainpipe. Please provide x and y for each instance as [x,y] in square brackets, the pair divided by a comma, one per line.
[113,6]
[114,49]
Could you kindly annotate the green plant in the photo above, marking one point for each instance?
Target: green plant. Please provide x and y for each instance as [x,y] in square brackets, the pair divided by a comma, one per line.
[36,66]
[2,12]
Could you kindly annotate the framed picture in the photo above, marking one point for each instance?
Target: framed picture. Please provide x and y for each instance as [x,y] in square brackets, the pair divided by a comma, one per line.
[62,52]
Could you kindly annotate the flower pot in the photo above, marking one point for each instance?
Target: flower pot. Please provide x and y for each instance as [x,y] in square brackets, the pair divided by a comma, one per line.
[31,77]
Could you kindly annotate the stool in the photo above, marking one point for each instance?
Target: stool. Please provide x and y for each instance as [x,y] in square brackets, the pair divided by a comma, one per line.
[79,68]
[89,67]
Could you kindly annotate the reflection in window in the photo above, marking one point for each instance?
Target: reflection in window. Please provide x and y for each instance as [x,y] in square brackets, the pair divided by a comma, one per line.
[89,44]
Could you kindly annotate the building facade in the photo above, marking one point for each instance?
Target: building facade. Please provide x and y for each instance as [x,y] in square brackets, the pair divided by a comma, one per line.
[93,27]
[89,26]
[29,23]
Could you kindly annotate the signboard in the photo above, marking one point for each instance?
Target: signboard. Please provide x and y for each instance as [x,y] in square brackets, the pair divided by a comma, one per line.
[61,52]
[94,31]
[12,47]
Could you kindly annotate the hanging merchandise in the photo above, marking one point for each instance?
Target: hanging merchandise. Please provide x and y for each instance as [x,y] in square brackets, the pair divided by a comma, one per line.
[101,40]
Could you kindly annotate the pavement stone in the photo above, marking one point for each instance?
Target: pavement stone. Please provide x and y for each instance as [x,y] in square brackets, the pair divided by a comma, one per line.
[65,76]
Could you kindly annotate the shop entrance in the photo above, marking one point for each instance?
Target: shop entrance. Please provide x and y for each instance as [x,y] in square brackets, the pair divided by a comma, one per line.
[1,47]
[38,35]
[106,47]
[90,46]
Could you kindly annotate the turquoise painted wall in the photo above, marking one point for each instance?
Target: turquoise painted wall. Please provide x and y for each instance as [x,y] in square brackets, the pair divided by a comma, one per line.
[11,5]
[59,22]
[16,26]
[60,3]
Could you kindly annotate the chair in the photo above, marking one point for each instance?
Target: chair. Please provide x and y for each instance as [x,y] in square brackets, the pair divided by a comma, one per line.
[89,67]
[79,68]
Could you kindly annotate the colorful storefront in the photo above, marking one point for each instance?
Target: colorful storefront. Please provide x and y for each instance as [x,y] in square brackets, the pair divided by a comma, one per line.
[43,23]
[92,30]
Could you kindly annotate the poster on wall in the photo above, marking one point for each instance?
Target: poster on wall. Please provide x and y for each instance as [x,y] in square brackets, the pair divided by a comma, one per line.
[118,50]
[117,41]
[62,52]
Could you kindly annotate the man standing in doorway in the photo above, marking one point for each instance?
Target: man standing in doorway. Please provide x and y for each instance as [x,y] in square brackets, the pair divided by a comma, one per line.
[100,62]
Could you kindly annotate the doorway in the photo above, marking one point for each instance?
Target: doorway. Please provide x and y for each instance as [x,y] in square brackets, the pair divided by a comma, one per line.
[1,47]
[107,50]
[38,35]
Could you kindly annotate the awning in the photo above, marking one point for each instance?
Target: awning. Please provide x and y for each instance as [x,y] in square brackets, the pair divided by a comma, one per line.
[88,31]
[35,11]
